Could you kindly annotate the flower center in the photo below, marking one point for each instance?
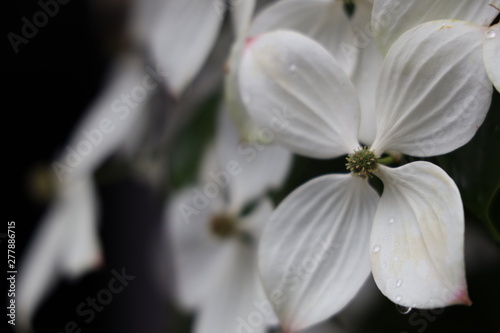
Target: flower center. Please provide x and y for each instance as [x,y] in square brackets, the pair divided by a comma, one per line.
[362,163]
[222,226]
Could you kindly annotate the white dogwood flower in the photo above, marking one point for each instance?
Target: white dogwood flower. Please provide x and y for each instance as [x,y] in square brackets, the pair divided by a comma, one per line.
[432,95]
[215,244]
[391,19]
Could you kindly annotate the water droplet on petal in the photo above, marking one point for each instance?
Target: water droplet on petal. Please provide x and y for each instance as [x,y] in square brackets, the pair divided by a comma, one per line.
[391,220]
[491,34]
[399,282]
[398,298]
[292,67]
[376,249]
[403,309]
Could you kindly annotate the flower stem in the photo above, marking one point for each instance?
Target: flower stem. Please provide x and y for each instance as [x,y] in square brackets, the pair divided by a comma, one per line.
[388,160]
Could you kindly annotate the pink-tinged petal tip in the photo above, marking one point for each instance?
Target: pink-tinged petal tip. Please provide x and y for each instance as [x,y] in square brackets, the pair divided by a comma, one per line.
[462,298]
[249,41]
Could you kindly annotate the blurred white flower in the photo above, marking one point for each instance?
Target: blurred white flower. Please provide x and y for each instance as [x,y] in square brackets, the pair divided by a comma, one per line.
[430,100]
[66,245]
[179,35]
[216,264]
[214,244]
[66,242]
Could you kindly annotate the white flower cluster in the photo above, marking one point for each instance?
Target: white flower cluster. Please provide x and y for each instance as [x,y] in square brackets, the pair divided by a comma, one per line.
[306,77]
[412,78]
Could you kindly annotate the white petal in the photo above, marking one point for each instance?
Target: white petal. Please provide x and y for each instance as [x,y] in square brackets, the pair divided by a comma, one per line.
[491,50]
[234,104]
[264,168]
[256,221]
[232,94]
[182,37]
[367,71]
[433,92]
[495,4]
[293,86]
[65,245]
[81,244]
[392,18]
[133,141]
[198,255]
[241,15]
[418,237]
[237,302]
[209,163]
[314,253]
[107,122]
[323,21]
[248,169]
[144,15]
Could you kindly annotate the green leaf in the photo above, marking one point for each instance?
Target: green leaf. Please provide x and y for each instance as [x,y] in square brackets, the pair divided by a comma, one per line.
[190,145]
[475,168]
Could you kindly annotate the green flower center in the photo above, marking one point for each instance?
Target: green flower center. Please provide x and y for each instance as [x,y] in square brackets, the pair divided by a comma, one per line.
[362,163]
